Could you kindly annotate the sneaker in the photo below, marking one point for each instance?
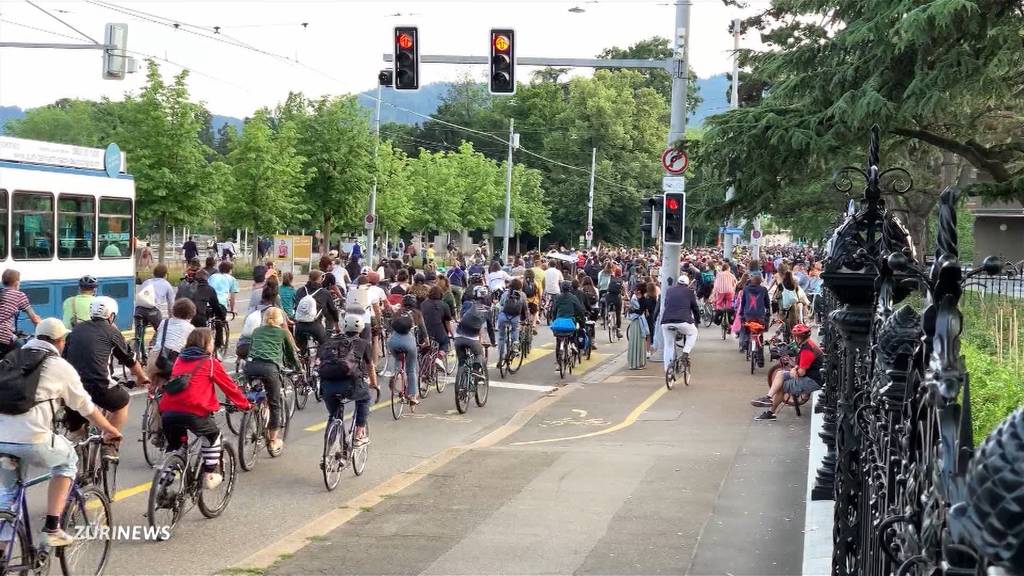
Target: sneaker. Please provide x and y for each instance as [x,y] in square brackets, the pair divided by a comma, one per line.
[686,358]
[439,363]
[761,403]
[361,441]
[212,479]
[110,452]
[57,538]
[277,445]
[766,415]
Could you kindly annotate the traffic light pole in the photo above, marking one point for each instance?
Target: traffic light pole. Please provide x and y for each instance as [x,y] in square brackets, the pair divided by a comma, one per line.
[590,202]
[373,191]
[729,240]
[508,191]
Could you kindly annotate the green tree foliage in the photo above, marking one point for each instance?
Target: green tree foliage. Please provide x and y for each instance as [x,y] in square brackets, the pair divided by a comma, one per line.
[77,122]
[941,73]
[394,189]
[655,48]
[269,177]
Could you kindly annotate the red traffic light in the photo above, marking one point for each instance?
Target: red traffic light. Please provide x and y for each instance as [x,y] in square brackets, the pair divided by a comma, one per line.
[405,41]
[672,203]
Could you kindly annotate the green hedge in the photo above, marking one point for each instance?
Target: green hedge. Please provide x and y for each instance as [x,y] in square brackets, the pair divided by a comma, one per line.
[996,390]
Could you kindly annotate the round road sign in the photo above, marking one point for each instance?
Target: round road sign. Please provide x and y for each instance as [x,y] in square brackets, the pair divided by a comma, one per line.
[756,234]
[675,161]
[368,220]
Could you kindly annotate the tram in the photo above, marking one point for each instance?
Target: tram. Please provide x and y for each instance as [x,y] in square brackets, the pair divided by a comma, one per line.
[67,211]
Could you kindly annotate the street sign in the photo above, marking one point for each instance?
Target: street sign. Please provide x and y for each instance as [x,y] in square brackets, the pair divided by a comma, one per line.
[675,161]
[673,184]
[756,234]
[590,234]
[369,220]
[730,230]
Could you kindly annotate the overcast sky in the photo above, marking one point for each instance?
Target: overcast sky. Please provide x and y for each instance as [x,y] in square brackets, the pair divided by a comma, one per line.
[338,52]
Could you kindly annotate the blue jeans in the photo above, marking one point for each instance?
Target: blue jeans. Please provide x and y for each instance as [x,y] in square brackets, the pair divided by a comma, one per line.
[502,320]
[60,459]
[406,343]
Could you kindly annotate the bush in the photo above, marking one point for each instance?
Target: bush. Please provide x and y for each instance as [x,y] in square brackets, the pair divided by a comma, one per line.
[995,390]
[241,271]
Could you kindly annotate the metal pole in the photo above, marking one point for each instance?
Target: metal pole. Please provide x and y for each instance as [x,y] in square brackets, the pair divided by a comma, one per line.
[508,190]
[373,191]
[729,239]
[590,202]
[677,131]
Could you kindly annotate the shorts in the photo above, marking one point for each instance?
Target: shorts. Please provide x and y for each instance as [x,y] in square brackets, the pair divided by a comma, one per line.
[798,385]
[59,457]
[103,396]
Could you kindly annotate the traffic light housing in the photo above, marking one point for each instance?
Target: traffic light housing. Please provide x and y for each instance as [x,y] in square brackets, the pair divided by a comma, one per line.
[503,61]
[115,60]
[675,217]
[407,58]
[386,78]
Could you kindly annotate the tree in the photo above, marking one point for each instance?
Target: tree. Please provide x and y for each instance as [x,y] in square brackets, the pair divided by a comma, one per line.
[268,177]
[940,73]
[655,48]
[77,122]
[394,189]
[433,193]
[159,136]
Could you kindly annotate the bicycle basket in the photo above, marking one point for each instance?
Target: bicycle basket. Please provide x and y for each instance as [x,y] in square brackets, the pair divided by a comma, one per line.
[754,327]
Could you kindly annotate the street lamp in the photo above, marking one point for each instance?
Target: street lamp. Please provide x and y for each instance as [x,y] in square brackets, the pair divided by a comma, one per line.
[577,10]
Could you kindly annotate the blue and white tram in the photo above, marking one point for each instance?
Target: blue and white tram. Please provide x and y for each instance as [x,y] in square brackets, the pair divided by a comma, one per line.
[67,211]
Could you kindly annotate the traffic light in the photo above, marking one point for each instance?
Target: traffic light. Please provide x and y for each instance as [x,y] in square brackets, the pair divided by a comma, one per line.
[386,78]
[675,217]
[407,58]
[503,61]
[646,220]
[115,60]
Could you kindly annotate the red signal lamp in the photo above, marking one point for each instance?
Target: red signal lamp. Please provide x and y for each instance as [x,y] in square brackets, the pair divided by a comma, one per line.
[501,43]
[672,203]
[405,41]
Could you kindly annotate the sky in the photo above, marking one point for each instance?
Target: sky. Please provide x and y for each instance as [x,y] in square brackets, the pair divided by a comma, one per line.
[338,51]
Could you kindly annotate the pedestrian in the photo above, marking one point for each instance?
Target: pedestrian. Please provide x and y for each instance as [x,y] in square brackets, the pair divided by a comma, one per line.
[638,330]
[145,261]
[189,249]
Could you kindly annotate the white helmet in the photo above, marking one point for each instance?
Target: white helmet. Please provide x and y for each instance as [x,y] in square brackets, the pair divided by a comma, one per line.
[354,323]
[103,307]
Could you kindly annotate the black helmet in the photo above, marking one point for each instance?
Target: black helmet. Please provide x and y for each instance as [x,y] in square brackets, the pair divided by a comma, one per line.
[410,301]
[565,287]
[476,279]
[87,282]
[419,278]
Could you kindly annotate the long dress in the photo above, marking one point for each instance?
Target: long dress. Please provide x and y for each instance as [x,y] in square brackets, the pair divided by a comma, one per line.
[636,333]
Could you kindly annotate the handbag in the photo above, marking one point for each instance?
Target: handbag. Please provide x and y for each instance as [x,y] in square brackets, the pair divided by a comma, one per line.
[180,383]
[165,358]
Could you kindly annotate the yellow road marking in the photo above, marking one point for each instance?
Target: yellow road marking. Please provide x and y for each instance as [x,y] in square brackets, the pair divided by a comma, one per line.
[629,421]
[129,492]
[535,354]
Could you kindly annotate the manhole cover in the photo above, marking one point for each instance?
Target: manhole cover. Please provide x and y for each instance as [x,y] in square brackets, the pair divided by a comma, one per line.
[660,415]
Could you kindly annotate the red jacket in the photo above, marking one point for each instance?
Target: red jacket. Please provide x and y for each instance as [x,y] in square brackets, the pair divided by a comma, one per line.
[199,398]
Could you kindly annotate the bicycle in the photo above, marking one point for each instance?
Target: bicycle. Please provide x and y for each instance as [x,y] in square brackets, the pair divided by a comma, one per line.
[471,376]
[610,319]
[525,340]
[755,348]
[308,381]
[152,435]
[222,331]
[430,372]
[399,397]
[680,363]
[564,352]
[707,313]
[339,447]
[726,321]
[178,485]
[252,431]
[511,355]
[86,515]
[234,418]
[93,468]
[781,349]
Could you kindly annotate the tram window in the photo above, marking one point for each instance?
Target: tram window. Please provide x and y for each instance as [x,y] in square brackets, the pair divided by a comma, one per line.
[115,228]
[116,291]
[39,297]
[76,227]
[32,234]
[3,224]
[68,291]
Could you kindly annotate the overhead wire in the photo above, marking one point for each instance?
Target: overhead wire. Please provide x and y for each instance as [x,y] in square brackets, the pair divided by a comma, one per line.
[58,19]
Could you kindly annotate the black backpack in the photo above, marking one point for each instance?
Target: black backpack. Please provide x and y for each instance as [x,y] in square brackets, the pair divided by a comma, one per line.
[402,323]
[338,359]
[513,305]
[615,286]
[19,379]
[530,288]
[472,321]
[186,289]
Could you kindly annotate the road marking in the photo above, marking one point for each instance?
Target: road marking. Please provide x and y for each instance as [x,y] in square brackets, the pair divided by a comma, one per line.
[515,386]
[580,413]
[629,421]
[535,354]
[329,522]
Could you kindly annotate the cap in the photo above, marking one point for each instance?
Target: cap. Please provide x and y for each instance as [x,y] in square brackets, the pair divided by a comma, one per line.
[52,328]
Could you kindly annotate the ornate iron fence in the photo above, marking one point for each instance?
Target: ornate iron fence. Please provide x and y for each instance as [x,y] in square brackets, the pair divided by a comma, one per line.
[912,496]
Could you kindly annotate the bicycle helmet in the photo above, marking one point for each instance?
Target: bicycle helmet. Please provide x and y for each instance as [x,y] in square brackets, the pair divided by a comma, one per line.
[354,323]
[103,307]
[419,278]
[481,293]
[801,330]
[410,301]
[87,282]
[476,279]
[565,287]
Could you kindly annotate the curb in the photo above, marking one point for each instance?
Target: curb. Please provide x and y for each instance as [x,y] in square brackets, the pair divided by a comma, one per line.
[818,515]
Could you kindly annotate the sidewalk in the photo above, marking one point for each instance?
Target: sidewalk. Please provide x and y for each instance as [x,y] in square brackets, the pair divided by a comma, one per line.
[616,476]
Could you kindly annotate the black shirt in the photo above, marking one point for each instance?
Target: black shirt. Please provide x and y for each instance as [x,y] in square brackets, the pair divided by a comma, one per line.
[190,249]
[90,347]
[436,315]
[206,301]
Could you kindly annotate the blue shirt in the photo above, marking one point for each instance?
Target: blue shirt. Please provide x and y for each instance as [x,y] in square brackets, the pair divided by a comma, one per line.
[223,284]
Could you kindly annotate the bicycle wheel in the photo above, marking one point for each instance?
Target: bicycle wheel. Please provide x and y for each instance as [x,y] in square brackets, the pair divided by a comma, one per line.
[288,398]
[249,439]
[483,388]
[87,512]
[686,372]
[20,550]
[332,461]
[609,323]
[397,390]
[441,381]
[425,376]
[753,355]
[709,315]
[149,450]
[108,469]
[383,357]
[502,359]
[560,356]
[517,360]
[167,495]
[223,350]
[213,502]
[359,454]
[670,375]
[462,389]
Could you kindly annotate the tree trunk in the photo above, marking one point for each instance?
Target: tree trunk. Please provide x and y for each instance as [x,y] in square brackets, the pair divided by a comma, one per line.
[327,230]
[163,239]
[255,248]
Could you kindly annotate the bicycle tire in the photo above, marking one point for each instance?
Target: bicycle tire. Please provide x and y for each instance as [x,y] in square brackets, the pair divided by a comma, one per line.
[234,418]
[560,357]
[485,385]
[686,373]
[609,323]
[227,341]
[25,557]
[170,473]
[302,394]
[148,449]
[423,386]
[753,358]
[248,440]
[441,382]
[360,454]
[670,377]
[229,470]
[517,361]
[108,470]
[397,403]
[288,397]
[462,389]
[77,513]
[330,463]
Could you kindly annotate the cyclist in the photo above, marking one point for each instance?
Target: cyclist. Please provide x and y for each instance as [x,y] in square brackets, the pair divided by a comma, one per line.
[192,409]
[12,302]
[89,350]
[188,280]
[76,308]
[170,338]
[437,317]
[287,294]
[407,335]
[613,298]
[345,362]
[533,293]
[457,278]
[754,307]
[470,337]
[208,307]
[469,296]
[29,435]
[420,289]
[552,281]
[314,306]
[569,314]
[512,310]
[801,380]
[497,279]
[225,285]
[271,350]
[681,314]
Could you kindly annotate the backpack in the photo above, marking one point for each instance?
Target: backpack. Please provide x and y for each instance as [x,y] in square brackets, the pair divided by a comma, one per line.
[146,297]
[615,286]
[530,288]
[472,321]
[402,323]
[19,379]
[707,276]
[788,298]
[307,309]
[252,321]
[338,359]
[186,289]
[513,304]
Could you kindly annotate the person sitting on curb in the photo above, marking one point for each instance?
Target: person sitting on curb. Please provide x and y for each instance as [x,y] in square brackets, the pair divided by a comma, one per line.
[801,380]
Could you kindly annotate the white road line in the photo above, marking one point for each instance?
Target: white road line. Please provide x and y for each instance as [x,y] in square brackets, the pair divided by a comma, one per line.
[515,386]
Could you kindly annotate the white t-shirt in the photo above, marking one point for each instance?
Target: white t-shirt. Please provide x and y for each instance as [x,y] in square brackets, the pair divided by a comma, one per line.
[177,332]
[497,280]
[552,278]
[365,297]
